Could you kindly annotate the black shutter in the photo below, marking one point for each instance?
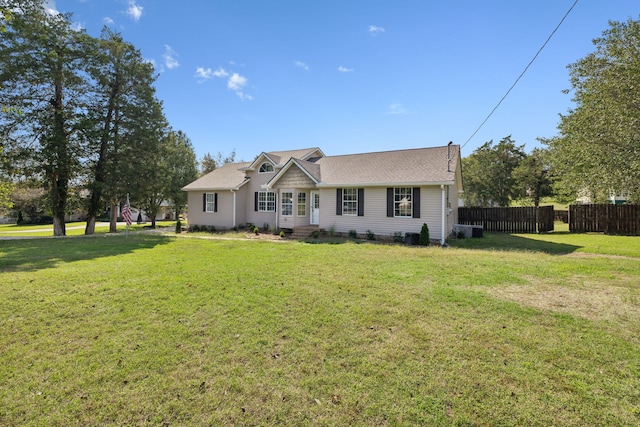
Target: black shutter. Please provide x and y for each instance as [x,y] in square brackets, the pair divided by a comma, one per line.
[255,201]
[390,201]
[204,202]
[416,202]
[339,201]
[360,201]
[215,202]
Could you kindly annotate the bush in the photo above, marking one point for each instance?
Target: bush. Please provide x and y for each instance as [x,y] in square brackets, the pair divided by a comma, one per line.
[282,234]
[265,226]
[275,231]
[397,237]
[353,234]
[256,230]
[424,235]
[370,235]
[315,234]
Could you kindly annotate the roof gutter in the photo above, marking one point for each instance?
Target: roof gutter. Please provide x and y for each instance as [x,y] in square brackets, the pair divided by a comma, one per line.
[383,184]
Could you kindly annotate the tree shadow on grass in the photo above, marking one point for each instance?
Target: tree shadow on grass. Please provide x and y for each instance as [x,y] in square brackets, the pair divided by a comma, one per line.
[509,242]
[41,253]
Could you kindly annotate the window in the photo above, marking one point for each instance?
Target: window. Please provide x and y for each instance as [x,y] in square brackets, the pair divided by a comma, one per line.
[302,204]
[266,167]
[403,202]
[266,201]
[287,203]
[210,202]
[350,201]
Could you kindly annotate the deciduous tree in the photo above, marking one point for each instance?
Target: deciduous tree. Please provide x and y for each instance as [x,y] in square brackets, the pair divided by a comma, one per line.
[43,75]
[488,173]
[598,146]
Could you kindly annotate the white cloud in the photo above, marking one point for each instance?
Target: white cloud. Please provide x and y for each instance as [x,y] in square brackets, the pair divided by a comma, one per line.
[76,26]
[134,10]
[396,109]
[236,82]
[373,30]
[108,21]
[344,69]
[220,72]
[169,57]
[204,73]
[301,64]
[50,7]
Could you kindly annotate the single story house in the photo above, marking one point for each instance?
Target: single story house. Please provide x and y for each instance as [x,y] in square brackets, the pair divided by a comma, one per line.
[382,192]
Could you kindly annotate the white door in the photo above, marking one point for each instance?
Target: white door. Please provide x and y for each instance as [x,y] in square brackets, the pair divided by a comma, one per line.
[315,208]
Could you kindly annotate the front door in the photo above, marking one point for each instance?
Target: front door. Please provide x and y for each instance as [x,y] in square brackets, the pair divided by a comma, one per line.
[315,208]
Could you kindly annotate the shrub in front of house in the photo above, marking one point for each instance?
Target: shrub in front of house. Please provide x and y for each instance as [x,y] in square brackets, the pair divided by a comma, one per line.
[424,235]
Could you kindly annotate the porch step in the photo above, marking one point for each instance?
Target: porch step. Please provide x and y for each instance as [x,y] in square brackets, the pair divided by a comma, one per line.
[304,231]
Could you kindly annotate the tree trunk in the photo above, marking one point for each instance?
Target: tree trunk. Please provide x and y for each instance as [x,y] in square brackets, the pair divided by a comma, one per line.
[91,225]
[100,173]
[113,220]
[59,172]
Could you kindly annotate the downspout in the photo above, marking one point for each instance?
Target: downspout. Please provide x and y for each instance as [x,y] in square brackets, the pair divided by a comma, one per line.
[276,209]
[444,215]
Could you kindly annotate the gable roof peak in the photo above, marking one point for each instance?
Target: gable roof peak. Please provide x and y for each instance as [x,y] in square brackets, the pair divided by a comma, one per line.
[280,158]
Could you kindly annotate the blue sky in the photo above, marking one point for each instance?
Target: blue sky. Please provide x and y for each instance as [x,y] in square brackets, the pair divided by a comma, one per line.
[358,75]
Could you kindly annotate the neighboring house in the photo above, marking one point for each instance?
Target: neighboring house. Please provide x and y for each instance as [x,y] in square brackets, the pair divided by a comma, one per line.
[615,198]
[384,192]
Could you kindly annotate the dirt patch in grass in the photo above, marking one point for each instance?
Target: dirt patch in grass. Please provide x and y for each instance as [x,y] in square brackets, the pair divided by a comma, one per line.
[593,302]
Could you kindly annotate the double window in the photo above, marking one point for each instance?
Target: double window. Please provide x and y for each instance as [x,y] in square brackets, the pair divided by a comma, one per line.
[266,201]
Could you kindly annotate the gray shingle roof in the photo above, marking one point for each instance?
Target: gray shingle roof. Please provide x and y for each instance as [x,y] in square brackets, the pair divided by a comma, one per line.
[421,165]
[226,177]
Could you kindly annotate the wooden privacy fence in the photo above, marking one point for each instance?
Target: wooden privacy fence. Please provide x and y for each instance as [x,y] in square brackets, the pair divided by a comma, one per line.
[605,218]
[509,220]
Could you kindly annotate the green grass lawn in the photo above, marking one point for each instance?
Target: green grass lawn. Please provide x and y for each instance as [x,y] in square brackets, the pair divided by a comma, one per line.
[163,330]
[72,228]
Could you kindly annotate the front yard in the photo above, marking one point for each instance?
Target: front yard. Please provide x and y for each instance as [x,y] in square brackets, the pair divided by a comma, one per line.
[164,330]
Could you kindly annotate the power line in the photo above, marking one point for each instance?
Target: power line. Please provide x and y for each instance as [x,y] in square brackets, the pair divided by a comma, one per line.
[521,74]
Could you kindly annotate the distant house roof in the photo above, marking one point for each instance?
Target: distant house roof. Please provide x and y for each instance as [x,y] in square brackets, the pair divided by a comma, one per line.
[415,166]
[226,177]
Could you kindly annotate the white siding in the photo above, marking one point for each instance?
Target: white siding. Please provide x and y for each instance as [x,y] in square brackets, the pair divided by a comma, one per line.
[375,213]
[221,219]
[293,220]
[255,184]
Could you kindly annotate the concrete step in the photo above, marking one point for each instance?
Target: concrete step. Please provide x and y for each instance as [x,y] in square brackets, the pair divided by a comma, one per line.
[304,231]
